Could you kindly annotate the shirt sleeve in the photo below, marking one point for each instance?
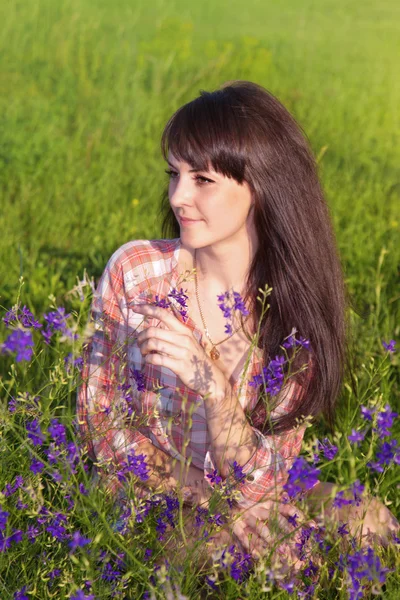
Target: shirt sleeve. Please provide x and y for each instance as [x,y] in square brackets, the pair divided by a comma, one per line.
[101,412]
[266,471]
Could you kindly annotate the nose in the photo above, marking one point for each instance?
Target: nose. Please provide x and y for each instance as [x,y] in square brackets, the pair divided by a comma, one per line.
[181,192]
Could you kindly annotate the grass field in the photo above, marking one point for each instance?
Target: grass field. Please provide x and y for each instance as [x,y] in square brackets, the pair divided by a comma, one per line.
[87,88]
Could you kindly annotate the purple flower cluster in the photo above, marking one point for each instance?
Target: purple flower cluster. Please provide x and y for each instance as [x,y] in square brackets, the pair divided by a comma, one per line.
[272,376]
[386,454]
[236,303]
[34,432]
[362,567]
[139,378]
[384,421]
[301,472]
[20,594]
[356,436]
[78,541]
[388,451]
[56,321]
[80,595]
[21,315]
[71,362]
[328,449]
[292,341]
[178,296]
[21,342]
[356,490]
[135,464]
[168,515]
[237,564]
[9,489]
[181,299]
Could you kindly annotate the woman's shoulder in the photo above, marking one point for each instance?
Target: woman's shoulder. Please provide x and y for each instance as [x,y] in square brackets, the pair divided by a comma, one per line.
[138,256]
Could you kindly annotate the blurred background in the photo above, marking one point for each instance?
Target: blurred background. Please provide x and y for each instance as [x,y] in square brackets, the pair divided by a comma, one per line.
[88,85]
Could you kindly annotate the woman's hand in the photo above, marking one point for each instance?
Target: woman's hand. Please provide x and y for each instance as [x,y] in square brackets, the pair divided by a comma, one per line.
[265,525]
[177,349]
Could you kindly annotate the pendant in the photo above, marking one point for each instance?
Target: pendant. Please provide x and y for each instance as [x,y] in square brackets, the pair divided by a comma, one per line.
[214,354]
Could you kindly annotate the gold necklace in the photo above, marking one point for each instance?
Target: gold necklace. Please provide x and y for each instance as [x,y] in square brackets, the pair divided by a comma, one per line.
[214,352]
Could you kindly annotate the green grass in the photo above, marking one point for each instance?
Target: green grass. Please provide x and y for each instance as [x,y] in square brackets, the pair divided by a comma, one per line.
[86,90]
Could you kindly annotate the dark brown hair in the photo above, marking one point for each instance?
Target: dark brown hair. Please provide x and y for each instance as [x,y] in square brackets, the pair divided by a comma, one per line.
[245,133]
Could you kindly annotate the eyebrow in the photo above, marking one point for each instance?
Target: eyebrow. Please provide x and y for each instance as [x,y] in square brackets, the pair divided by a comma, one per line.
[190,170]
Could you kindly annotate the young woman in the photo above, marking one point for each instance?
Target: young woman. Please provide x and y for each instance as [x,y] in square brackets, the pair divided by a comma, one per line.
[166,377]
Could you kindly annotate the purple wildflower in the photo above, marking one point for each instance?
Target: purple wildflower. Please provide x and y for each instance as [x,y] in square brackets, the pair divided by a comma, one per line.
[390,346]
[78,541]
[80,595]
[201,512]
[24,316]
[161,302]
[291,341]
[3,519]
[56,321]
[36,466]
[57,432]
[214,477]
[20,595]
[367,413]
[387,453]
[238,304]
[135,464]
[342,529]
[311,570]
[139,378]
[339,500]
[211,583]
[357,488]
[301,472]
[11,316]
[238,472]
[54,573]
[363,566]
[181,299]
[34,432]
[329,450]
[69,361]
[273,376]
[32,533]
[385,421]
[12,404]
[83,490]
[11,489]
[21,342]
[356,436]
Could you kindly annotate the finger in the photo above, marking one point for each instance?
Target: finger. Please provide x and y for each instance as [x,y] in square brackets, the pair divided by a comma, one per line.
[161,314]
[167,348]
[168,335]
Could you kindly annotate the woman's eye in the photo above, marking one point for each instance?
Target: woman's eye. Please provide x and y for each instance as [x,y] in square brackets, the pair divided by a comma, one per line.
[199,178]
[203,179]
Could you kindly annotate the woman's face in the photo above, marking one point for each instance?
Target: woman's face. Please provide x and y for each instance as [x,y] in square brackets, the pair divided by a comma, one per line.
[219,205]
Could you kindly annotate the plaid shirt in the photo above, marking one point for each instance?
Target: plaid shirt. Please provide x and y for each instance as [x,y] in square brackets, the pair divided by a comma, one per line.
[116,416]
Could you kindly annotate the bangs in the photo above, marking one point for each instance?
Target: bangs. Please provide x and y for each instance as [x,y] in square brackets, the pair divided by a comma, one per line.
[208,133]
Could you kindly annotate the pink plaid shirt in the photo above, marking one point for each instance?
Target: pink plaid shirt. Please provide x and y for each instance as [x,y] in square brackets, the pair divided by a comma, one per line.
[171,416]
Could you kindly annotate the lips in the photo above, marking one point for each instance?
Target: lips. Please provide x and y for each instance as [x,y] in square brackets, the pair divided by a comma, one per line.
[188,221]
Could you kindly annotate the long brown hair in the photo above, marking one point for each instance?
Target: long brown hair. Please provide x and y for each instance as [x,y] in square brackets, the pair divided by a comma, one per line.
[244,132]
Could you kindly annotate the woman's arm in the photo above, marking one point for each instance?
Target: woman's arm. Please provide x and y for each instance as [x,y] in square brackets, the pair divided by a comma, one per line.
[167,474]
[266,471]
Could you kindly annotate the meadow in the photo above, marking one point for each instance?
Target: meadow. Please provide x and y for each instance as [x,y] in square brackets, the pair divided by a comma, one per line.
[87,88]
